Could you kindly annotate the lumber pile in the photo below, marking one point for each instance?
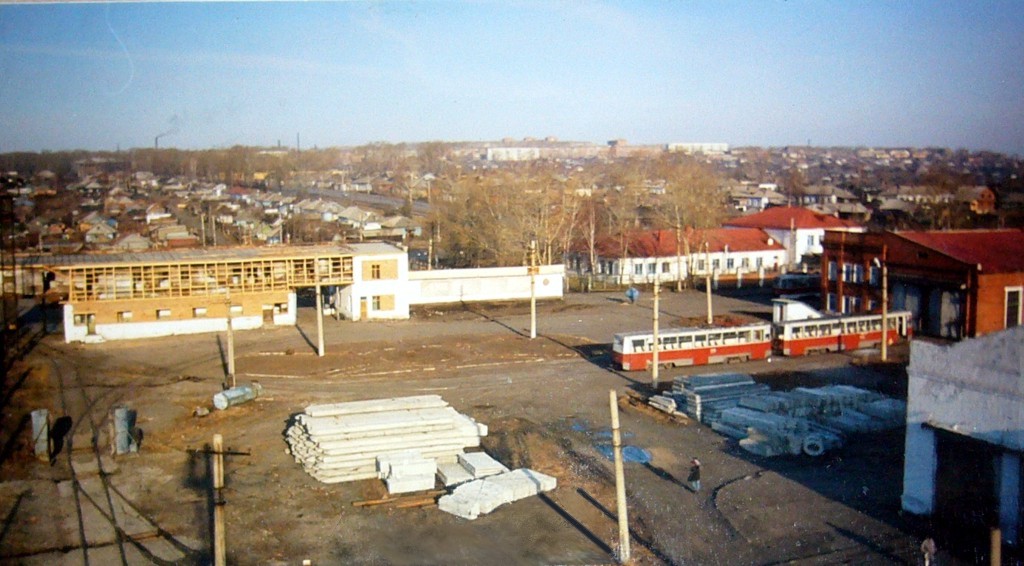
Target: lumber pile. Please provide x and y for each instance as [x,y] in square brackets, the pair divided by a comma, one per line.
[389,439]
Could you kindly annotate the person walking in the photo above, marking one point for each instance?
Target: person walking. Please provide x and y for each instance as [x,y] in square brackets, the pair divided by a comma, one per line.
[694,478]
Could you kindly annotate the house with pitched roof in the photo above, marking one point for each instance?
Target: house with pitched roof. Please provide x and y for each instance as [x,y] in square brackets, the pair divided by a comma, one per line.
[799,229]
[658,255]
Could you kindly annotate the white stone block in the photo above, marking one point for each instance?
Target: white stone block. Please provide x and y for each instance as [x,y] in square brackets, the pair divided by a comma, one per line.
[409,484]
[481,464]
[452,473]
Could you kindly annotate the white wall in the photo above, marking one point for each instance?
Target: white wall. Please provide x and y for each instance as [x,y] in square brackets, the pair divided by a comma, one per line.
[974,388]
[490,284]
[154,329]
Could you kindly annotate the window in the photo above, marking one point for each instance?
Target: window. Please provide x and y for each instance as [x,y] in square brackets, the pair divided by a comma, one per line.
[666,267]
[163,313]
[730,263]
[833,271]
[124,316]
[858,273]
[376,302]
[759,262]
[652,268]
[716,263]
[81,319]
[638,269]
[745,262]
[1013,310]
[700,265]
[876,276]
[810,241]
[831,303]
[375,271]
[199,312]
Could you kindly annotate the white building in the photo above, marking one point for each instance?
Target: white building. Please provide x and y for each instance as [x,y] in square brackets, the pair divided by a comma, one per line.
[799,229]
[965,432]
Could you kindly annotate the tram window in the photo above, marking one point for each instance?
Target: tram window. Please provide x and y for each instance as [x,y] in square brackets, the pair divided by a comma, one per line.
[797,332]
[638,345]
[729,336]
[669,341]
[714,338]
[700,338]
[685,340]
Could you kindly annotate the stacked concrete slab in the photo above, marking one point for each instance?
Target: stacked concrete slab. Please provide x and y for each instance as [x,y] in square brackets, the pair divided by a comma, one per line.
[704,397]
[479,497]
[341,442]
[808,420]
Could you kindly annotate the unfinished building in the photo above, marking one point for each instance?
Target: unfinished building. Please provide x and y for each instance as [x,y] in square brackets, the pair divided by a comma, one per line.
[137,295]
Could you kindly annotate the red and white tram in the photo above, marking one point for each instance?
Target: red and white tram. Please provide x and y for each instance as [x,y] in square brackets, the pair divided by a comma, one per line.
[837,333]
[693,346]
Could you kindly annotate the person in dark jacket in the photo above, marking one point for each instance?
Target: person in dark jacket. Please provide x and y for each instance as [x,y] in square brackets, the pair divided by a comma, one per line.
[694,478]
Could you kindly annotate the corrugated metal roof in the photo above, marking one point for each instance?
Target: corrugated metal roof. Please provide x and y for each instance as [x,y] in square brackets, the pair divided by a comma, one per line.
[998,251]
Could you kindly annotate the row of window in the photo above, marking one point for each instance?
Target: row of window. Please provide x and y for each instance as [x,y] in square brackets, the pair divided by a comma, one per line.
[666,266]
[854,273]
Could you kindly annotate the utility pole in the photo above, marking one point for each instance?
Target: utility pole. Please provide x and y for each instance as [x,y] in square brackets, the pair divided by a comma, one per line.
[620,481]
[885,303]
[707,280]
[219,540]
[231,340]
[319,311]
[533,289]
[656,346]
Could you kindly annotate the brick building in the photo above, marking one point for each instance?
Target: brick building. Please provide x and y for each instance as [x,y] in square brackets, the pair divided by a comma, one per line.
[957,284]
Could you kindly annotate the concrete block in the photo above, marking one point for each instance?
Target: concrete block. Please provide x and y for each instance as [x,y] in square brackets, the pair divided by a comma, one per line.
[409,484]
[452,473]
[480,464]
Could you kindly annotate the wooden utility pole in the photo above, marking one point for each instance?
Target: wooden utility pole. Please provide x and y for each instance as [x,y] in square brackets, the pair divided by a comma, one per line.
[219,540]
[533,288]
[995,547]
[231,340]
[620,481]
[656,348]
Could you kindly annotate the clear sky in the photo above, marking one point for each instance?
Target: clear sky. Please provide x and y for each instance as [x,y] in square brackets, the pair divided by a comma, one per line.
[759,72]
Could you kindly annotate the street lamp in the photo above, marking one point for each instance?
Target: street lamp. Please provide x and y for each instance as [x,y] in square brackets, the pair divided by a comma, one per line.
[885,302]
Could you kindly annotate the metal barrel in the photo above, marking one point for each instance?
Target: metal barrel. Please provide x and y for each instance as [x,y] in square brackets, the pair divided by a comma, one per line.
[236,396]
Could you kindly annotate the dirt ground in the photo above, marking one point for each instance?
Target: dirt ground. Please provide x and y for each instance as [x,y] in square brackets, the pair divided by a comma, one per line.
[545,402]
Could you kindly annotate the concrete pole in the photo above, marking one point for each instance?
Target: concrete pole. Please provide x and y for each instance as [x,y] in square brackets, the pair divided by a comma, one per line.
[533,289]
[707,280]
[219,540]
[620,481]
[995,547]
[885,309]
[231,342]
[319,322]
[656,347]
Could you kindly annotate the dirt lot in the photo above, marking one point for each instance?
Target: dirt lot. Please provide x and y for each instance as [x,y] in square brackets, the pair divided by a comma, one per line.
[545,401]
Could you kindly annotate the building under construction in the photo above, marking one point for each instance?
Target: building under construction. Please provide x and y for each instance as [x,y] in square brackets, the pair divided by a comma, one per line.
[137,295]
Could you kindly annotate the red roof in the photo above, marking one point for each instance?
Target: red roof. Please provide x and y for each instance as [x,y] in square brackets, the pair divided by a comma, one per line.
[998,251]
[662,243]
[784,217]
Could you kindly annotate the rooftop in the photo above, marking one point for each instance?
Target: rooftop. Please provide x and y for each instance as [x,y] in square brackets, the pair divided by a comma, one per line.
[998,251]
[786,217]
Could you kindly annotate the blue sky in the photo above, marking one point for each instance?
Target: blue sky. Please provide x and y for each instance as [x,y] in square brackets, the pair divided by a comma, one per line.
[771,73]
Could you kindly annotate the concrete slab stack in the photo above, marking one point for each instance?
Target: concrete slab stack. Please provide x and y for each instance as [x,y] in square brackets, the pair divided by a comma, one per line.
[704,397]
[341,442]
[406,472]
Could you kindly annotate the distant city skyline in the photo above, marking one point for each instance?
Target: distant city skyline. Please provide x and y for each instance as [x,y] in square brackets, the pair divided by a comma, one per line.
[212,75]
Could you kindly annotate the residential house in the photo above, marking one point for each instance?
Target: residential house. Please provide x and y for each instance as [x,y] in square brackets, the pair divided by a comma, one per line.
[100,233]
[799,229]
[131,243]
[654,255]
[980,199]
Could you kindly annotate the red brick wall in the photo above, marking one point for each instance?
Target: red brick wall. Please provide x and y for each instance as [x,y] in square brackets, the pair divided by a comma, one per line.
[991,315]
